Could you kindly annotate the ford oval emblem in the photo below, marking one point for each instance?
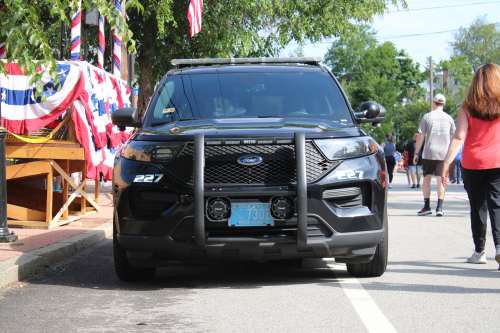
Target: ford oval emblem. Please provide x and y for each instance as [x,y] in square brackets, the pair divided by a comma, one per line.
[249,160]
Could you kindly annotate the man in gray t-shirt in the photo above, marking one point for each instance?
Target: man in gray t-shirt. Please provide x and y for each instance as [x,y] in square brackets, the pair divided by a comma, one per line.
[437,127]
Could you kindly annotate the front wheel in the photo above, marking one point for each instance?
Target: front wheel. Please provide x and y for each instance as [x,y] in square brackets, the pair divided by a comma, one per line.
[124,270]
[378,265]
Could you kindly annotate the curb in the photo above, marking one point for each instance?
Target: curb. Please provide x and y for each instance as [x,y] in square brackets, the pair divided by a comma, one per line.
[30,263]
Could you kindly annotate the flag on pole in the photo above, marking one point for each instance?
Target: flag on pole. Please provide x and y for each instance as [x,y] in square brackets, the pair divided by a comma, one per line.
[194,16]
[76,22]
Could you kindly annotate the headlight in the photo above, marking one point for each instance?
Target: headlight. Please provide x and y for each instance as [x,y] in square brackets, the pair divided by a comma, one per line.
[156,152]
[336,149]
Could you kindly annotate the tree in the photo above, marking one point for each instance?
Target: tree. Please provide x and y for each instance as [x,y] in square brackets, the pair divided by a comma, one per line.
[459,77]
[369,71]
[240,28]
[480,42]
[407,119]
[29,31]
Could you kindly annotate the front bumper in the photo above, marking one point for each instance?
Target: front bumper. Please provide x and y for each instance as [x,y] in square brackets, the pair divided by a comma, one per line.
[318,228]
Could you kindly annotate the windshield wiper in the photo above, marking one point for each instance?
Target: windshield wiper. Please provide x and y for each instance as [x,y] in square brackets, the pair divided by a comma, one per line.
[160,123]
[269,117]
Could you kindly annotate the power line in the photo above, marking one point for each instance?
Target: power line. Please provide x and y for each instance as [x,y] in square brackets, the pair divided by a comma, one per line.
[399,36]
[467,4]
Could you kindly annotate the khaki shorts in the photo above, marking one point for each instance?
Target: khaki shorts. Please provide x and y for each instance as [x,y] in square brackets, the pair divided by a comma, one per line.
[432,167]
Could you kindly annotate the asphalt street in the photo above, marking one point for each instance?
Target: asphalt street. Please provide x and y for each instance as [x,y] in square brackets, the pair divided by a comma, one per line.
[428,287]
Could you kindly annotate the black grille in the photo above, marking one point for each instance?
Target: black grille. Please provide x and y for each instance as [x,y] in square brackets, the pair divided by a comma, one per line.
[278,166]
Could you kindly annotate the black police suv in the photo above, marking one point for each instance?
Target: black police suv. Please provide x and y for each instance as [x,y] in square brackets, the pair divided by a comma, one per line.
[249,159]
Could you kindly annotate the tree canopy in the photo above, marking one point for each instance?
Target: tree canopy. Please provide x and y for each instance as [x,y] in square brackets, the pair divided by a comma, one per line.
[480,42]
[239,28]
[369,71]
[30,30]
[459,77]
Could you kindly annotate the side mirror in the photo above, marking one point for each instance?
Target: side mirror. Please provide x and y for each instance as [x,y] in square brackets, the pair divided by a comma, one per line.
[125,117]
[370,112]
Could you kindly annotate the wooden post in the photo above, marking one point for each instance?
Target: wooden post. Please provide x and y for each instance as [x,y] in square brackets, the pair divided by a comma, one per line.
[84,179]
[65,191]
[50,181]
[96,192]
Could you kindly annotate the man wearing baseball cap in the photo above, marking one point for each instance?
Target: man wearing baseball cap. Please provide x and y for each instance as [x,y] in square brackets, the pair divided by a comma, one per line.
[436,127]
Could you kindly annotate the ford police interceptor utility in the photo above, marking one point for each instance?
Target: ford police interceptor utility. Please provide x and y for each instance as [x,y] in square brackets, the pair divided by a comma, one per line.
[249,159]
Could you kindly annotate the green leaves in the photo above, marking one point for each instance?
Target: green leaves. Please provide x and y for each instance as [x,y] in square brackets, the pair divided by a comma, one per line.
[31,31]
[480,42]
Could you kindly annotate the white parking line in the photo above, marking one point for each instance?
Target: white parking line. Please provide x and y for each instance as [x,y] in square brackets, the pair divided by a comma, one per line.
[367,309]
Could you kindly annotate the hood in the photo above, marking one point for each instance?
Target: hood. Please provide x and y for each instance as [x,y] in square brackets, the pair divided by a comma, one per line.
[249,128]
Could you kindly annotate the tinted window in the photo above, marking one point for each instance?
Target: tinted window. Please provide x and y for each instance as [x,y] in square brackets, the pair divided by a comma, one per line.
[235,95]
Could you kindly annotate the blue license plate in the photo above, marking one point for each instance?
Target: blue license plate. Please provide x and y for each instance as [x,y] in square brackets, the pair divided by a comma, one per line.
[250,215]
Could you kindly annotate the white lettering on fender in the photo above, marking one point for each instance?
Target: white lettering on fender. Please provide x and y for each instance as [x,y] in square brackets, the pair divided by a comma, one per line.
[148,178]
[344,175]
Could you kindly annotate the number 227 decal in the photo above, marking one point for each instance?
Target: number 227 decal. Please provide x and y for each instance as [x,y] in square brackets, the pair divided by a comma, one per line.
[349,174]
[152,178]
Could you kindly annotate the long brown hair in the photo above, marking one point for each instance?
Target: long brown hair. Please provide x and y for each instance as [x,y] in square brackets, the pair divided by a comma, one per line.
[483,96]
[388,136]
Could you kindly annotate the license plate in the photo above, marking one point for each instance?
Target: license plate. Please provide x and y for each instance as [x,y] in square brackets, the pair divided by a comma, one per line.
[250,215]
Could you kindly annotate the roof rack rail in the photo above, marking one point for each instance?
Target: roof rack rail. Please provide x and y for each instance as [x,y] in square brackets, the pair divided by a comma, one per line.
[222,61]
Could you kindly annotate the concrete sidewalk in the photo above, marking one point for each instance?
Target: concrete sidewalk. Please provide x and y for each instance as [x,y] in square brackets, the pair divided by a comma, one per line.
[42,248]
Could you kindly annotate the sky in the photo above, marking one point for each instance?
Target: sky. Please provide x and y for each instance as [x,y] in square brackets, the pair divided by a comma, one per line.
[395,25]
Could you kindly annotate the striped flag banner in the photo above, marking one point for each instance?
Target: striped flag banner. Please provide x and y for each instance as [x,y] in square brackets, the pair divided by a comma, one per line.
[194,16]
[76,35]
[102,43]
[117,46]
[95,95]
[2,51]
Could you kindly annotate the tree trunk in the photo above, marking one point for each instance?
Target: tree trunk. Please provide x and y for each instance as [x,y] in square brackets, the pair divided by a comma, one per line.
[146,88]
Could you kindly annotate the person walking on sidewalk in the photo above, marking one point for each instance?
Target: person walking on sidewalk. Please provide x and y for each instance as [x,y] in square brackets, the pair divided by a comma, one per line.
[455,168]
[389,149]
[436,128]
[415,169]
[478,129]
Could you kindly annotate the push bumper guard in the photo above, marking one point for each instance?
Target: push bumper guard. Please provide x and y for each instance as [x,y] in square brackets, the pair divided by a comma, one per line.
[199,189]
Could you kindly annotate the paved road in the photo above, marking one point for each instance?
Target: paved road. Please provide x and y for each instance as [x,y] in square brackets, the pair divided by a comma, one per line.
[428,287]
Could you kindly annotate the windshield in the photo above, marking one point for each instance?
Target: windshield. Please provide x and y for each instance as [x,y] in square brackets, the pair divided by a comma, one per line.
[244,95]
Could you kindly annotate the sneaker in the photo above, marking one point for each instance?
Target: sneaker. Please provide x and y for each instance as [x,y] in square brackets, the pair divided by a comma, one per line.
[458,182]
[497,255]
[453,181]
[477,258]
[418,185]
[414,186]
[390,185]
[439,212]
[425,211]
[409,185]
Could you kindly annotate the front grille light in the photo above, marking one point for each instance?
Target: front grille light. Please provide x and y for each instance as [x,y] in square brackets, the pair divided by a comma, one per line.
[156,152]
[343,148]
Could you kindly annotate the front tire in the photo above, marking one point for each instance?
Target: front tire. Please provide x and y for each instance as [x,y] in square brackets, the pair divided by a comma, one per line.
[378,265]
[124,270]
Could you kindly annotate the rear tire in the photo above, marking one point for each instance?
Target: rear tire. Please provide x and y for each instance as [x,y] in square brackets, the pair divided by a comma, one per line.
[378,265]
[123,269]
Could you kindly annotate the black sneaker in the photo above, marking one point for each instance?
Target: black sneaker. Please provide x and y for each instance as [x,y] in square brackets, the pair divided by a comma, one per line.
[425,211]
[439,212]
[418,185]
[414,186]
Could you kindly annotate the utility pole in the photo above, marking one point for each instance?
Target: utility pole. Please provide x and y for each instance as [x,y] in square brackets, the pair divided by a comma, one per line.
[431,79]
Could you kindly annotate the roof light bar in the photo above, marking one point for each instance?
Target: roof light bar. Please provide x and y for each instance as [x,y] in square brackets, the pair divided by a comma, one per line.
[221,61]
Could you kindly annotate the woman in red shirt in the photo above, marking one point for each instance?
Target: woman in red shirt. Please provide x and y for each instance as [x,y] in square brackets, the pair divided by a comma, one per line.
[478,124]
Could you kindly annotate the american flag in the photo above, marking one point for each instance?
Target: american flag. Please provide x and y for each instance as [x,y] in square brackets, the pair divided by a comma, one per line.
[194,16]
